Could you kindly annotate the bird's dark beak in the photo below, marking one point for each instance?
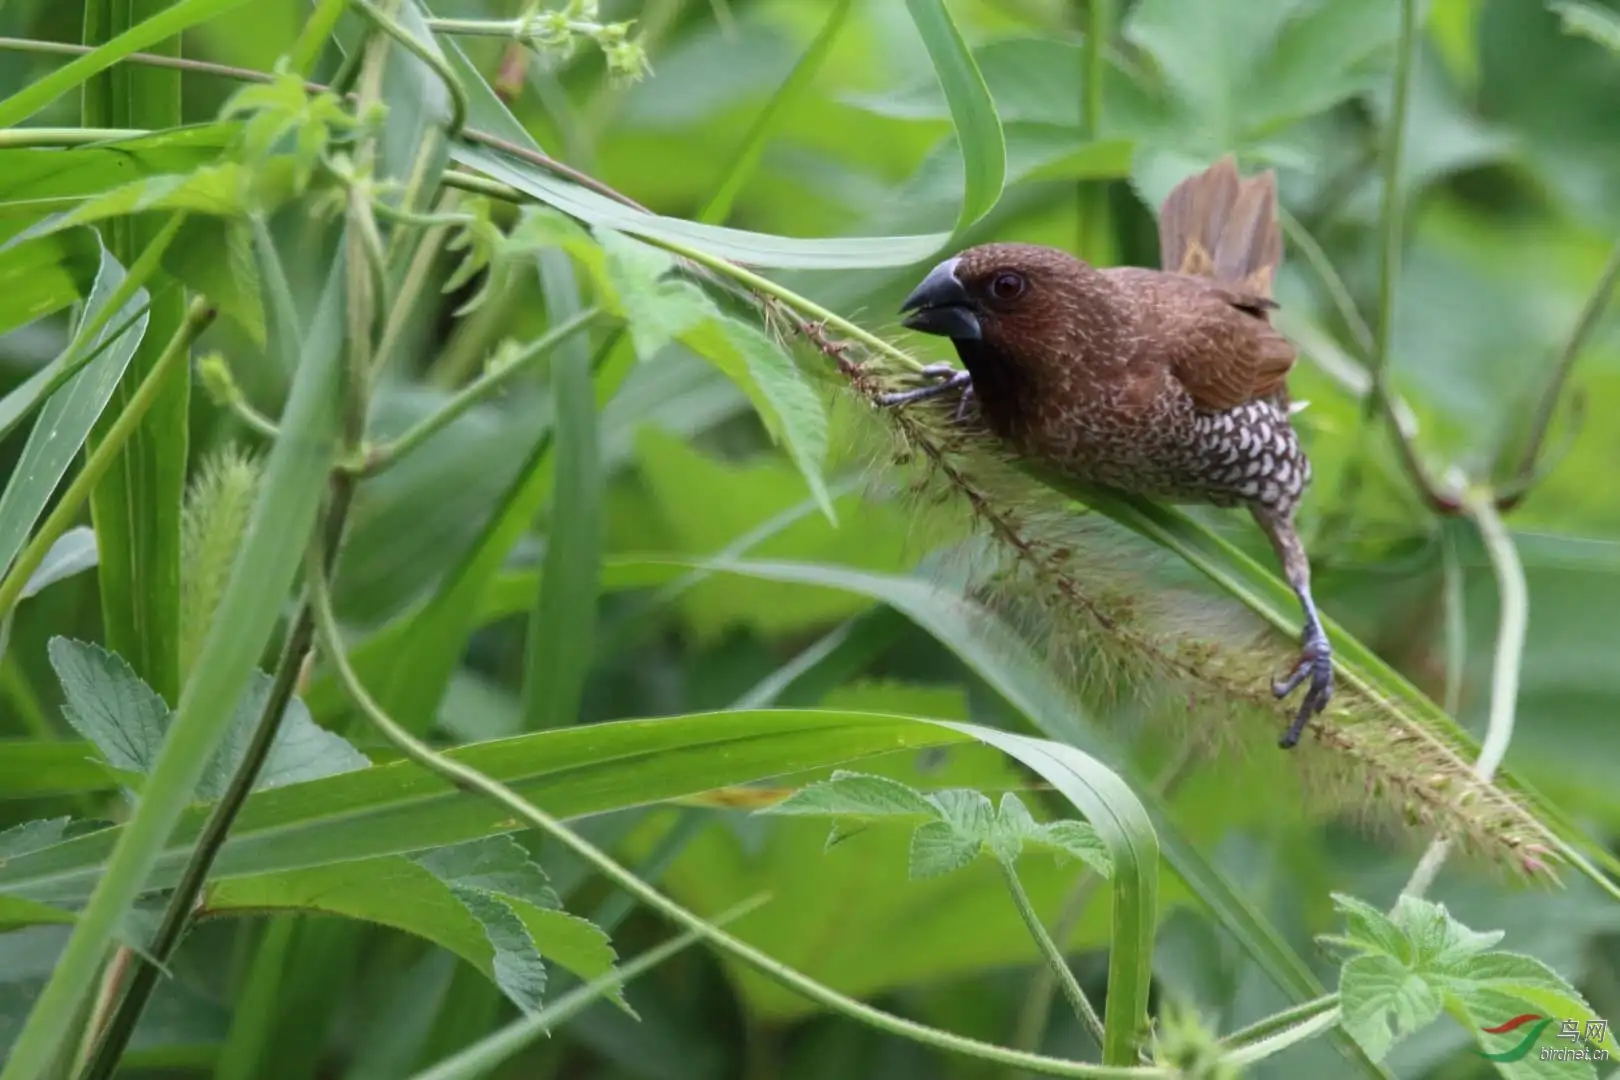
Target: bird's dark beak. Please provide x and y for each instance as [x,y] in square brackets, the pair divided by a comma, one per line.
[941,305]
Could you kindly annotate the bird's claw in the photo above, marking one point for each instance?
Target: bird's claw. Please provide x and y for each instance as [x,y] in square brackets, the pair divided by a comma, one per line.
[948,379]
[1315,663]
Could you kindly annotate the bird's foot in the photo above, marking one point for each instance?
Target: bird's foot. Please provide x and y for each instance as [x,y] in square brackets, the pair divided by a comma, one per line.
[1315,663]
[949,379]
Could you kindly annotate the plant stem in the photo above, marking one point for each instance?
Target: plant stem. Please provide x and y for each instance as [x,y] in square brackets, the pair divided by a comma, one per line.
[1268,1026]
[1053,954]
[1510,633]
[188,891]
[96,465]
[1259,1051]
[474,782]
[458,93]
[1391,227]
[1037,1006]
[386,455]
[1585,324]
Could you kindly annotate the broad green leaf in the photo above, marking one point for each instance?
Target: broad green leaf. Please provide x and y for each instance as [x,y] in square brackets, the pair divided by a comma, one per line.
[69,414]
[31,768]
[302,750]
[1384,1000]
[82,171]
[515,966]
[19,840]
[973,113]
[1418,960]
[31,836]
[42,276]
[503,935]
[791,410]
[1517,1053]
[939,848]
[1235,71]
[109,705]
[497,864]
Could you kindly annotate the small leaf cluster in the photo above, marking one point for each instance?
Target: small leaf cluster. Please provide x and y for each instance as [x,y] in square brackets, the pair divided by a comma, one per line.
[954,826]
[1407,967]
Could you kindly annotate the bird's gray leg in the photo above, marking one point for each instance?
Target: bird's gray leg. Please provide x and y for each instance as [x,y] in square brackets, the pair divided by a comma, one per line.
[1315,652]
[950,378]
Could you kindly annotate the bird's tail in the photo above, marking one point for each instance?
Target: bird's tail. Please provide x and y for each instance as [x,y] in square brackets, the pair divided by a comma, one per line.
[1217,224]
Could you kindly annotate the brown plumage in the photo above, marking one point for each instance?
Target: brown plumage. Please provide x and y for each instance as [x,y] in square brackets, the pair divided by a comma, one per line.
[1168,383]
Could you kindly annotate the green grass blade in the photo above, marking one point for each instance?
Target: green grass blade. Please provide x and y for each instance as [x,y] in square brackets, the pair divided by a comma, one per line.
[136,506]
[294,484]
[742,167]
[65,421]
[973,113]
[562,624]
[399,807]
[171,21]
[751,248]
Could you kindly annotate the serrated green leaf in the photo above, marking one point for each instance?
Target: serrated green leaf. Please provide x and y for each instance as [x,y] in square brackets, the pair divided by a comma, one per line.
[1368,929]
[1384,1000]
[302,750]
[42,276]
[1517,1054]
[108,704]
[1078,839]
[1420,959]
[857,795]
[516,964]
[494,864]
[792,412]
[938,848]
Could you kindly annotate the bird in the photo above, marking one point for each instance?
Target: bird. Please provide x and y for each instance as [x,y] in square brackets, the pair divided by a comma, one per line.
[1166,383]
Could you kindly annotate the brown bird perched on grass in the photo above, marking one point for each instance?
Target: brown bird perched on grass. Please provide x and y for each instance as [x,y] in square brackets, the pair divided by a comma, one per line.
[1170,384]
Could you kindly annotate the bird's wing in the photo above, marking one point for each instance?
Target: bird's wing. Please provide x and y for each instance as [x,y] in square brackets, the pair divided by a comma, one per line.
[1217,340]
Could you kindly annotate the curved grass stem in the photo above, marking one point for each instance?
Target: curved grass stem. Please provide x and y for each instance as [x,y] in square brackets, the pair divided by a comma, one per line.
[381,457]
[1053,954]
[1514,599]
[474,782]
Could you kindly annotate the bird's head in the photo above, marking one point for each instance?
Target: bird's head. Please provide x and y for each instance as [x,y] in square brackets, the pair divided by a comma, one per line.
[1009,298]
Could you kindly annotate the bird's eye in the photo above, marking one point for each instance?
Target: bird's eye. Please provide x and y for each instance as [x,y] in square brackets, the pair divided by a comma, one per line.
[1007,285]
